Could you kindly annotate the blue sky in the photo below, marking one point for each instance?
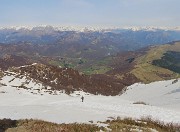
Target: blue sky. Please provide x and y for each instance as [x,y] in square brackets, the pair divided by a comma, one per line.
[90,12]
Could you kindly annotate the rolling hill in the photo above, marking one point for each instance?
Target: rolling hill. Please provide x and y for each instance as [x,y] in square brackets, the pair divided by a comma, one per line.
[141,63]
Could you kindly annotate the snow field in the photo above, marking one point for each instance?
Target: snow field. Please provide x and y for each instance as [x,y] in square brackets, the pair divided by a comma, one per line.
[18,103]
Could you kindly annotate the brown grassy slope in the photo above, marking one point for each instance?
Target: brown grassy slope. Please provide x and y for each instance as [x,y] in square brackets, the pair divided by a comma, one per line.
[115,125]
[43,126]
[123,64]
[146,72]
[138,64]
[1,73]
[144,125]
[8,61]
[71,80]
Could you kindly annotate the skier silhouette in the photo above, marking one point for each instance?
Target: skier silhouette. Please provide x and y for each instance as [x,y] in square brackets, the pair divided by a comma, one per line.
[82,98]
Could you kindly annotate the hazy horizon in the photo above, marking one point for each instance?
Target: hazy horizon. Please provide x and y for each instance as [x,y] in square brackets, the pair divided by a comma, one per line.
[101,13]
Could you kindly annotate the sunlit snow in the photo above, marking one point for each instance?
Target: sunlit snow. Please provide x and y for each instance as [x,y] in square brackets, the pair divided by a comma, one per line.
[163,99]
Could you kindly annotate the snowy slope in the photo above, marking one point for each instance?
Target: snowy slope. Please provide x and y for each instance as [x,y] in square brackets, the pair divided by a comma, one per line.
[164,93]
[18,103]
[24,83]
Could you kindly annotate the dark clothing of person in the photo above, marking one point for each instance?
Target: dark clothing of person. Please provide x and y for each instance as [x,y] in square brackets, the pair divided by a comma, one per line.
[82,98]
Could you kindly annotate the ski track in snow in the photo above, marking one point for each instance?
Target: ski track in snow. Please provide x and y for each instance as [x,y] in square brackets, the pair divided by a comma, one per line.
[163,99]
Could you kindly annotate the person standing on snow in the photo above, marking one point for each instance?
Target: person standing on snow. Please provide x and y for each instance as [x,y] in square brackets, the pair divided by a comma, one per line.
[82,98]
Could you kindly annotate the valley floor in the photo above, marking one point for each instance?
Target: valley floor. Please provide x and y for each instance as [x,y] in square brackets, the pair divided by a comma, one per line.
[162,104]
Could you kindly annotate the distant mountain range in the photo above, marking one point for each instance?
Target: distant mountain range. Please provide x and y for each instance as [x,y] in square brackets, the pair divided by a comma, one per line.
[90,28]
[112,39]
[98,61]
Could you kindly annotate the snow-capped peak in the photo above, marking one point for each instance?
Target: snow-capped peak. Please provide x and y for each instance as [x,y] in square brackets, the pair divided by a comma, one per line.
[89,28]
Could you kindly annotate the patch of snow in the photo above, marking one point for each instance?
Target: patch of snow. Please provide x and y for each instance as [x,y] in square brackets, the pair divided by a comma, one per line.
[165,94]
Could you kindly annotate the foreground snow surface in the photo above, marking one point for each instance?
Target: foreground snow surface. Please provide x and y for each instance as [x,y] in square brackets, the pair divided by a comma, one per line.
[163,99]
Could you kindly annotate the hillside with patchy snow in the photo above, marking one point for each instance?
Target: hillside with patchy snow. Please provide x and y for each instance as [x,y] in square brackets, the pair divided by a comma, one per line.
[62,79]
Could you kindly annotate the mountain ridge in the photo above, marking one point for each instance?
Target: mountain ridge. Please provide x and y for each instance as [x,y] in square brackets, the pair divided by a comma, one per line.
[90,28]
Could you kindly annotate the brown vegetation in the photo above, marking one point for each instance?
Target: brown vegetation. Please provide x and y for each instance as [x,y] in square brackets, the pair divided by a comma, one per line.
[71,80]
[43,126]
[114,125]
[145,124]
[7,123]
[140,102]
[8,61]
